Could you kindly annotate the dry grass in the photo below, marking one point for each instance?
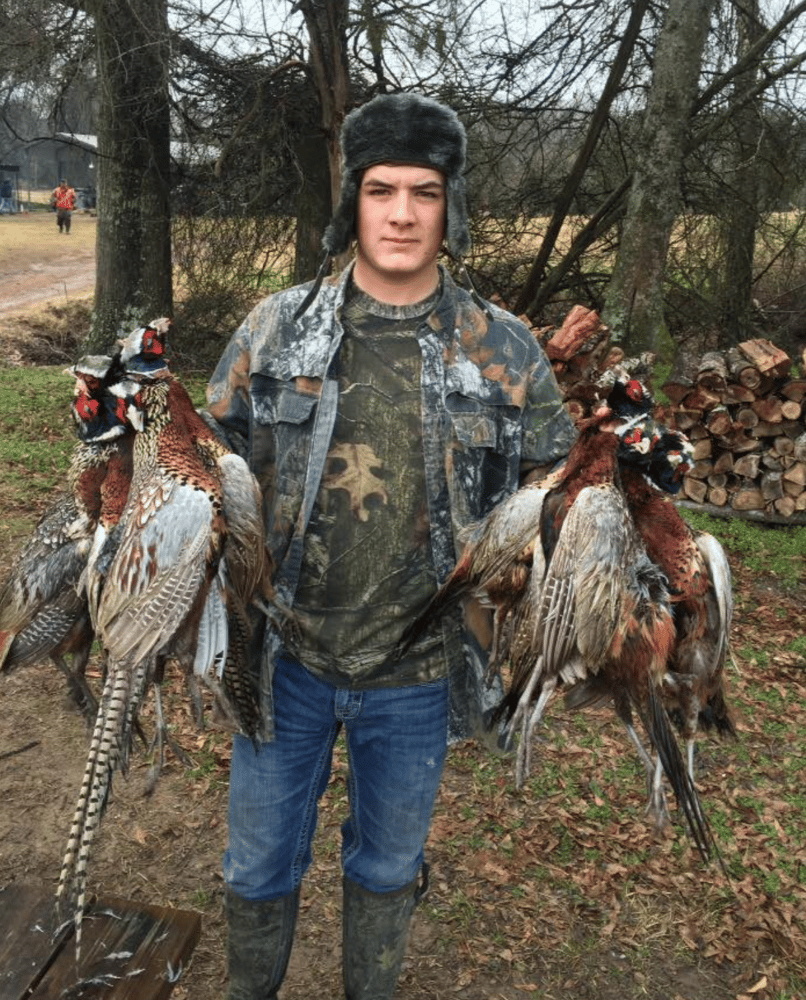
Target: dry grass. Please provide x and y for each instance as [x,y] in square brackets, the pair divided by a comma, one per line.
[29,236]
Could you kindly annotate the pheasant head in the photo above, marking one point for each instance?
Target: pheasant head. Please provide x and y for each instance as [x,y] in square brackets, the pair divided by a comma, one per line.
[671,458]
[102,410]
[662,455]
[630,398]
[143,351]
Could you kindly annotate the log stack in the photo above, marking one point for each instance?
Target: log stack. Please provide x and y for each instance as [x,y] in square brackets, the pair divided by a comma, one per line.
[744,414]
[743,411]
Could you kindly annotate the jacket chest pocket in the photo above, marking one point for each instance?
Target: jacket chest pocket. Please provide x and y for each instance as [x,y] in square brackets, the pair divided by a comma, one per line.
[282,425]
[478,423]
[485,447]
[277,401]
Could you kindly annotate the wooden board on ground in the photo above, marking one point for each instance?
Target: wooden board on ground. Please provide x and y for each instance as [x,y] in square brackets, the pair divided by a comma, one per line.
[129,950]
[28,940]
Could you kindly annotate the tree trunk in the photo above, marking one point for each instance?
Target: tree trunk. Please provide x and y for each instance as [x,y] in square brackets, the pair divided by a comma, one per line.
[133,243]
[634,302]
[741,221]
[327,34]
[313,204]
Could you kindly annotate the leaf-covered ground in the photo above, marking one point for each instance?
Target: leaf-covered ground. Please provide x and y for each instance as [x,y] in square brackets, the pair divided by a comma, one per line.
[560,891]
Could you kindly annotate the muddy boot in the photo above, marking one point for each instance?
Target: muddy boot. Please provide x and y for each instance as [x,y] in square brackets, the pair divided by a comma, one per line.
[260,936]
[375,932]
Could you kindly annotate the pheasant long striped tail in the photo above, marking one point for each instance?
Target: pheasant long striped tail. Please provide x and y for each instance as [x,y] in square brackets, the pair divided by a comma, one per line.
[123,690]
[660,732]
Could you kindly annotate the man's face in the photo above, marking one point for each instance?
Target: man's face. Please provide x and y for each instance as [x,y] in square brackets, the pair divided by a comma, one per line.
[400,224]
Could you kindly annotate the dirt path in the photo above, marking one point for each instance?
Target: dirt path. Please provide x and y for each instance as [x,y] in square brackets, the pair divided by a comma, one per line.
[40,265]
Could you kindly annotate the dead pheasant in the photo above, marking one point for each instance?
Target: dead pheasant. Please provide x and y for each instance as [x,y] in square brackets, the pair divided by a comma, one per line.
[172,584]
[600,613]
[701,595]
[42,612]
[700,592]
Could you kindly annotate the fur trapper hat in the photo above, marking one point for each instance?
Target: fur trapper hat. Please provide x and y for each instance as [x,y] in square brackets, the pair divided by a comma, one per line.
[402,128]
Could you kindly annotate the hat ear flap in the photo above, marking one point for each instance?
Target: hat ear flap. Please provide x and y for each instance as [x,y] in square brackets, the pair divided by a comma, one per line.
[340,231]
[457,231]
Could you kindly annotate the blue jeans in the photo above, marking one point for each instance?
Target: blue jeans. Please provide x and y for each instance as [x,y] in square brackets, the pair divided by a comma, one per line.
[396,744]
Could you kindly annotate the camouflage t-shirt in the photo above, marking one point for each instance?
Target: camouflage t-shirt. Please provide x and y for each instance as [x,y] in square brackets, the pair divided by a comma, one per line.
[367,564]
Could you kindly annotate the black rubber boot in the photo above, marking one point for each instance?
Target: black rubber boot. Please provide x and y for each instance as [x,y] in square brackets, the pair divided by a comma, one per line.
[261,933]
[375,931]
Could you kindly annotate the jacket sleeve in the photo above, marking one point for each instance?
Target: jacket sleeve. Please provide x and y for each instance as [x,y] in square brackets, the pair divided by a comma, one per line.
[548,431]
[228,409]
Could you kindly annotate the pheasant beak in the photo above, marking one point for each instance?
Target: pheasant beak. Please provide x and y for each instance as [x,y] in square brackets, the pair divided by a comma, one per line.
[679,463]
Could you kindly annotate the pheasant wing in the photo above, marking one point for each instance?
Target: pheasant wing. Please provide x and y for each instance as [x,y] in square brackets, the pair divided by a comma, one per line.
[52,558]
[492,547]
[568,619]
[158,573]
[577,604]
[245,545]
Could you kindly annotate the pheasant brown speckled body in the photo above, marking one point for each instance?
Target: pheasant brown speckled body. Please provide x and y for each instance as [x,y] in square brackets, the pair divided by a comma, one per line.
[701,594]
[173,583]
[620,596]
[43,612]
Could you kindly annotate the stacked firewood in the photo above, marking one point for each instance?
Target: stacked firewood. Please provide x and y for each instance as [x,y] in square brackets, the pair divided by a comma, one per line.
[581,354]
[745,415]
[743,411]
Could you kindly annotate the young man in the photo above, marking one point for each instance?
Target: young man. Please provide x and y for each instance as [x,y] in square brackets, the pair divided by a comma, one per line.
[64,201]
[382,412]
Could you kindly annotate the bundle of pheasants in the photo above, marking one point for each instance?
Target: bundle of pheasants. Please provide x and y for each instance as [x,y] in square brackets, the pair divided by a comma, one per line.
[156,549]
[603,591]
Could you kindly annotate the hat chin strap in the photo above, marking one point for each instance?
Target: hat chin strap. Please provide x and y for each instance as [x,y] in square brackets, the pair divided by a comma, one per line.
[321,274]
[468,283]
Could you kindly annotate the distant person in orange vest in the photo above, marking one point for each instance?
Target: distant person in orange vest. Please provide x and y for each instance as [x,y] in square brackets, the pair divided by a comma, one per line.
[64,201]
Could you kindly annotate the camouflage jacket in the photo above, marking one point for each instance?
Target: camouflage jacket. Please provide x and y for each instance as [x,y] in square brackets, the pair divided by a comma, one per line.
[491,412]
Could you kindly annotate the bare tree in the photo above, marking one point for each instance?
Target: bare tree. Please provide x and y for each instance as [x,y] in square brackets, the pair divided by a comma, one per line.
[634,305]
[134,278]
[327,56]
[741,178]
[327,40]
[578,268]
[527,299]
